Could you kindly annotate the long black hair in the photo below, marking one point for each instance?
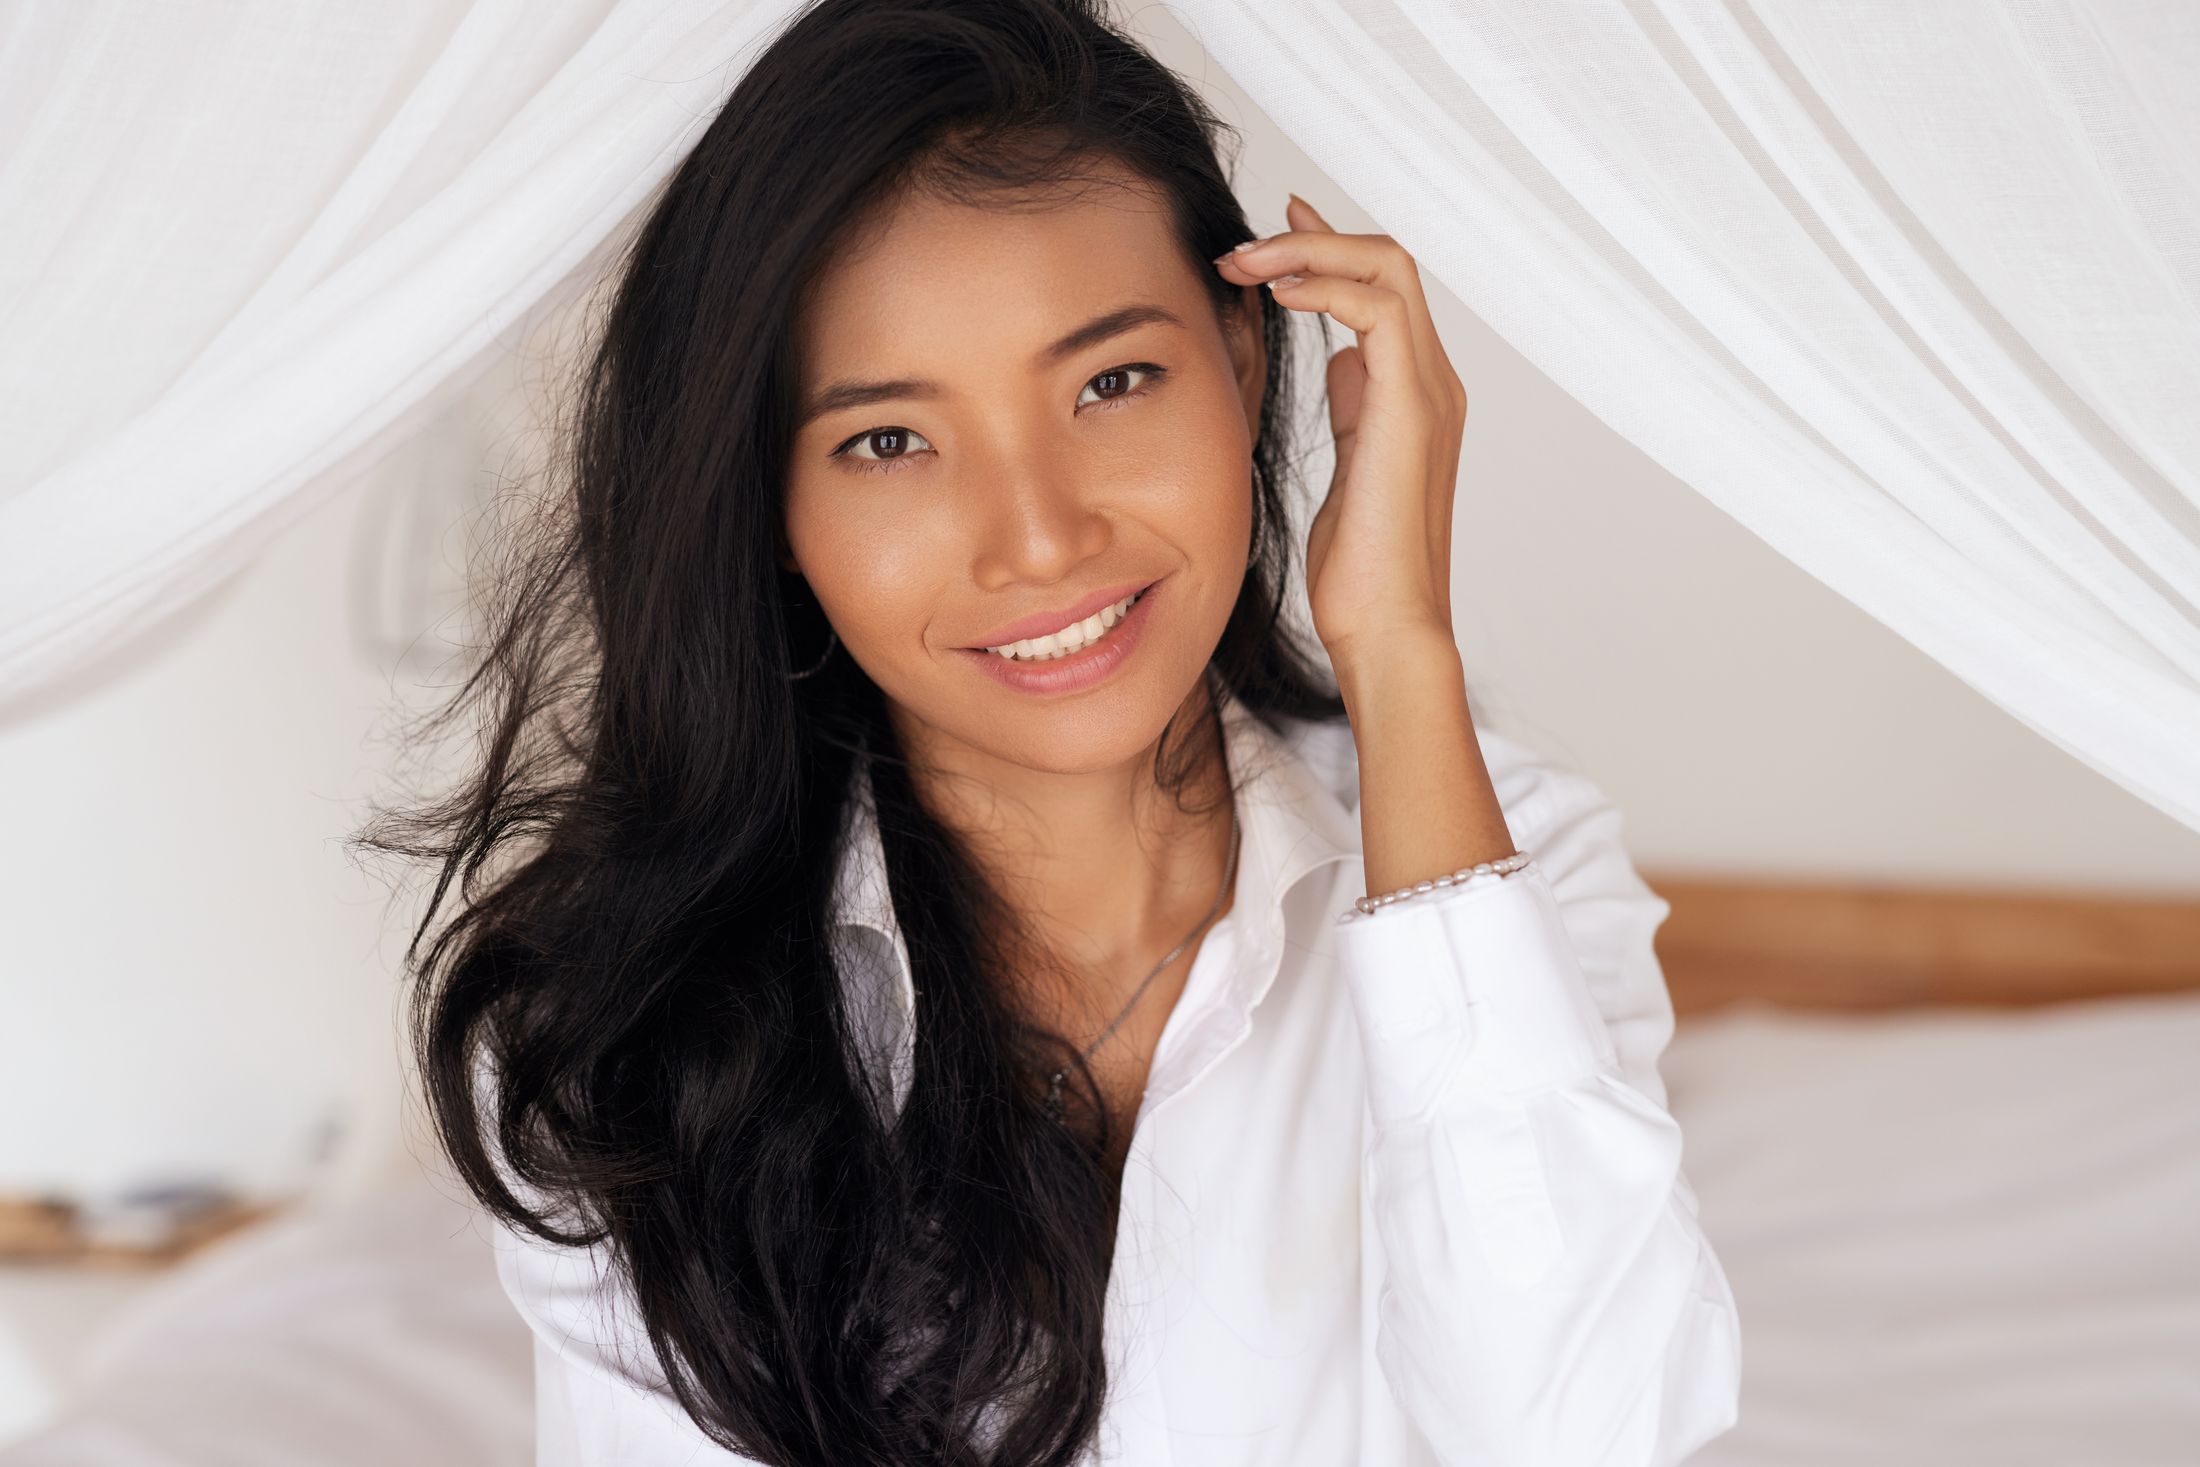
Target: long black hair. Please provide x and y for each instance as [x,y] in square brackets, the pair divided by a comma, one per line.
[629,917]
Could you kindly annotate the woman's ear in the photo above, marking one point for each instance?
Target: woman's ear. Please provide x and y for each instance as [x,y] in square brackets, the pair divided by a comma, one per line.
[1249,353]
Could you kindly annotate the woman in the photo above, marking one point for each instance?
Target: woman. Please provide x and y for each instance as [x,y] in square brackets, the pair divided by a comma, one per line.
[896,1008]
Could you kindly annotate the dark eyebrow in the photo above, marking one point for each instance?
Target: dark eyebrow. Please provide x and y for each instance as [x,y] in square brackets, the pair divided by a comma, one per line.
[849,392]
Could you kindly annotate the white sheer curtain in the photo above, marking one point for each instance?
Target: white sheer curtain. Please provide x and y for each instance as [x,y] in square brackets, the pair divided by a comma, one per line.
[241,243]
[1911,291]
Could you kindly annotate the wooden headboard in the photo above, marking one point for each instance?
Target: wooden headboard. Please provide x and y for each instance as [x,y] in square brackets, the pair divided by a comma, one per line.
[1833,946]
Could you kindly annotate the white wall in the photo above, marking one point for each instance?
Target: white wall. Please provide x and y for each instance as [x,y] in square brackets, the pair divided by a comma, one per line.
[194,973]
[197,977]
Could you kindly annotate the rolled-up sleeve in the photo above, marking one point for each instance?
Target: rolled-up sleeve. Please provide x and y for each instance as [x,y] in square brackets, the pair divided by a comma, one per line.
[1548,1296]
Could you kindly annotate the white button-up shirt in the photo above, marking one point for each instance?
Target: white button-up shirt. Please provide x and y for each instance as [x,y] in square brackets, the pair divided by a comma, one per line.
[1401,1190]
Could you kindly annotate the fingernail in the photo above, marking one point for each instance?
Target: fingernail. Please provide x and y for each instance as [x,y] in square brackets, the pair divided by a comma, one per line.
[1251,244]
[1282,281]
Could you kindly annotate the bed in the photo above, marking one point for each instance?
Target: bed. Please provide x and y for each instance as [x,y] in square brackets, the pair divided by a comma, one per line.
[1958,1231]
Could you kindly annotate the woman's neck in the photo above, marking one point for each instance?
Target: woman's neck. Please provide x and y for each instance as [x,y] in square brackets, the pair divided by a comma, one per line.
[1103,863]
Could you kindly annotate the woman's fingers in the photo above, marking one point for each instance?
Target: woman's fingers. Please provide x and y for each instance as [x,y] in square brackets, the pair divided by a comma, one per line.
[1381,316]
[1370,259]
[1347,384]
[1347,375]
[1379,546]
[1303,215]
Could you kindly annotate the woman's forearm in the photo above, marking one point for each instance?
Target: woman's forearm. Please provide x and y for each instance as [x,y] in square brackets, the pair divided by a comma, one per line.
[1427,806]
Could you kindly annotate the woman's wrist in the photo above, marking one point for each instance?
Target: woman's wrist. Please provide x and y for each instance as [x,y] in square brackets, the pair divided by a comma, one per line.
[1377,669]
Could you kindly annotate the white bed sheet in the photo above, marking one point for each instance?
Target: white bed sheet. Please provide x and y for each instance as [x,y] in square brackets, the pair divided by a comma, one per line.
[366,1334]
[1956,1236]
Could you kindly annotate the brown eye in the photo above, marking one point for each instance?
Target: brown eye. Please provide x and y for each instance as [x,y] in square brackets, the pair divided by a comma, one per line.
[1114,384]
[885,444]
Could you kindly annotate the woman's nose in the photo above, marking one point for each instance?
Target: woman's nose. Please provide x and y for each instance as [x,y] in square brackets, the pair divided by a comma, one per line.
[1038,525]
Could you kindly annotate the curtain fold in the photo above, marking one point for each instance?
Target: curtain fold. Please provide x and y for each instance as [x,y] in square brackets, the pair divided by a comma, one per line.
[241,246]
[1912,292]
[1909,291]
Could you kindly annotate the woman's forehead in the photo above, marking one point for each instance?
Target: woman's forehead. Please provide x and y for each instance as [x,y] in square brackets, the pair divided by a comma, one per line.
[940,279]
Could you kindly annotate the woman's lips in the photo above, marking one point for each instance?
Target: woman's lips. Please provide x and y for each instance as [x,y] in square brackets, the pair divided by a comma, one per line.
[1048,622]
[1084,668]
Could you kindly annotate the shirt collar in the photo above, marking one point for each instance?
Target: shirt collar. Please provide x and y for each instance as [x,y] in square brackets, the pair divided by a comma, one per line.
[1292,822]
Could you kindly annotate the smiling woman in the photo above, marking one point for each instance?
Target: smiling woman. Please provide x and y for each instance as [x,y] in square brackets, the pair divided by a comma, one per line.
[1106,506]
[1073,402]
[889,1002]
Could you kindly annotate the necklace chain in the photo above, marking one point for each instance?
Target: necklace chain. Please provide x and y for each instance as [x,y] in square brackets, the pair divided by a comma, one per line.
[1229,876]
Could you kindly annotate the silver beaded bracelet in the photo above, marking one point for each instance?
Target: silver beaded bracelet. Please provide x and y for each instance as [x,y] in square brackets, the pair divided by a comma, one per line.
[1368,906]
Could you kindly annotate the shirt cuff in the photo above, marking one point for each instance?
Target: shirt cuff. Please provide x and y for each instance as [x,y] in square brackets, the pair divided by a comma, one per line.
[1472,992]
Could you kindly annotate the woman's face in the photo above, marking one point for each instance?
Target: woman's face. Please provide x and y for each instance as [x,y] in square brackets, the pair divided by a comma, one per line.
[1009,420]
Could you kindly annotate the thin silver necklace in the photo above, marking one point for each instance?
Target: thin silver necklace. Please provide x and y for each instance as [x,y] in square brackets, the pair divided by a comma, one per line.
[1229,876]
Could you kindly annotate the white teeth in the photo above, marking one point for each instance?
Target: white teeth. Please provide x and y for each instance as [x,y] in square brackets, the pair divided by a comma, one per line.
[1075,636]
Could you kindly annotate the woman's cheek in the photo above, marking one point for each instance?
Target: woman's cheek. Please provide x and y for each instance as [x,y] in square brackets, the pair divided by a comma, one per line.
[1194,459]
[878,572]
[1199,499]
